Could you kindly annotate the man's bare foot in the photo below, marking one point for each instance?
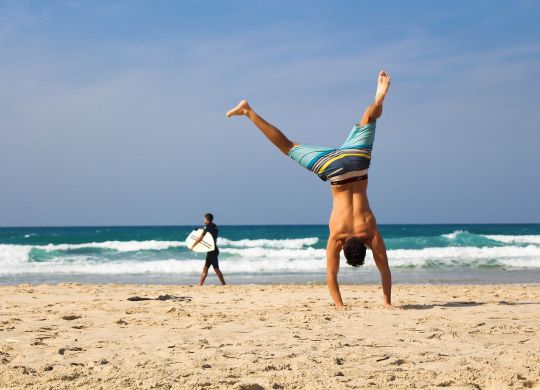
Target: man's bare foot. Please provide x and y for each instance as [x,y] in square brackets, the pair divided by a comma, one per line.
[383,83]
[241,109]
[389,306]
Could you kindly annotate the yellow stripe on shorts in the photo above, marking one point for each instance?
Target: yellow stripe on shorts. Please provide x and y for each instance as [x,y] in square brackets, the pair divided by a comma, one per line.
[341,156]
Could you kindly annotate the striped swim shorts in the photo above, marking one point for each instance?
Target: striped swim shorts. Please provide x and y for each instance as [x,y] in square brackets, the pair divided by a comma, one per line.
[350,161]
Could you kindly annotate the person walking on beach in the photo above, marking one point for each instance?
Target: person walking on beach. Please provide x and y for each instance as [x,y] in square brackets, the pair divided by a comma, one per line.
[352,224]
[211,257]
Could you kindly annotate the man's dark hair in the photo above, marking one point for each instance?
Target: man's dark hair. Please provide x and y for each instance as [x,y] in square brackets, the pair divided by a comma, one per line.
[354,251]
[209,216]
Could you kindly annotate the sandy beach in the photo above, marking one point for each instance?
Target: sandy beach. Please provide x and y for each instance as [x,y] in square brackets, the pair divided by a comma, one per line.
[268,337]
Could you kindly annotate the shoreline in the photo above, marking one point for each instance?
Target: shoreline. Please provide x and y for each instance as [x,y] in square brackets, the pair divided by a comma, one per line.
[347,276]
[273,336]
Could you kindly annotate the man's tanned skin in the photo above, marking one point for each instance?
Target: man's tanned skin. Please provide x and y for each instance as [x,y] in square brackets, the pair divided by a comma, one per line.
[351,215]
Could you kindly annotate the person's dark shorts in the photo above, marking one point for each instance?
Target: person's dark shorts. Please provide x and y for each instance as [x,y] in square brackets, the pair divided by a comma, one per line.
[212,260]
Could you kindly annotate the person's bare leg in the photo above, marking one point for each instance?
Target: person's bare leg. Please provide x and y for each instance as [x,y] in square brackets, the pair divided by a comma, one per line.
[203,276]
[375,110]
[271,132]
[220,276]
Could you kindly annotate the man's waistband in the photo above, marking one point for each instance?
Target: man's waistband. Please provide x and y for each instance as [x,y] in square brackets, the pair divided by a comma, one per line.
[350,180]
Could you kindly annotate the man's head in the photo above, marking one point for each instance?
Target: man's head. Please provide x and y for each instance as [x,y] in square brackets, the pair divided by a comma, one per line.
[208,218]
[354,251]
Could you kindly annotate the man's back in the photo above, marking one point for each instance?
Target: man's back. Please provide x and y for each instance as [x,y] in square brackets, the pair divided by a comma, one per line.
[351,214]
[213,230]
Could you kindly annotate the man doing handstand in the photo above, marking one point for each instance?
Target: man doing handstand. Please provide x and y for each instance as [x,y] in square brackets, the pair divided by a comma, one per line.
[352,223]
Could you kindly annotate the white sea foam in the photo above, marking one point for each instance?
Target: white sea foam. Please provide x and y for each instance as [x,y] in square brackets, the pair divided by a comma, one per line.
[15,259]
[528,256]
[525,239]
[255,253]
[264,243]
[13,256]
[170,266]
[454,234]
[120,246]
[507,239]
[134,246]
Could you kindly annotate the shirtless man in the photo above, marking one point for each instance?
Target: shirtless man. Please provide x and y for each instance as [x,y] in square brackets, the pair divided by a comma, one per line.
[352,223]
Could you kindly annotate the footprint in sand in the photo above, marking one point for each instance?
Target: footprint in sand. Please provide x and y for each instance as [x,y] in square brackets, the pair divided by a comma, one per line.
[62,351]
[4,357]
[80,326]
[250,386]
[71,317]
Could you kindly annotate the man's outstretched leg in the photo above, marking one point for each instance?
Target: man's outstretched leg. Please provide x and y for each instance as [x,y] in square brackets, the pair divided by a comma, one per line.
[374,111]
[203,275]
[271,132]
[220,276]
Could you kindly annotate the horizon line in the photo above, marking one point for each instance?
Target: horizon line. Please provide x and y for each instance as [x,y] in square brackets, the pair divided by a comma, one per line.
[259,224]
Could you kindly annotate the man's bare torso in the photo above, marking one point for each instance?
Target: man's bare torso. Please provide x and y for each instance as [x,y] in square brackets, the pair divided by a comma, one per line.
[352,217]
[351,214]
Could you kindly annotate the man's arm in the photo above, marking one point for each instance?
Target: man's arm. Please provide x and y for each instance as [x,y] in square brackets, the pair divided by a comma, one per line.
[381,260]
[198,240]
[332,269]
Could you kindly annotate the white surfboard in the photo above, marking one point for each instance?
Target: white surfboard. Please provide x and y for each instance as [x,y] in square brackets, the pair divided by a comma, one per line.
[206,245]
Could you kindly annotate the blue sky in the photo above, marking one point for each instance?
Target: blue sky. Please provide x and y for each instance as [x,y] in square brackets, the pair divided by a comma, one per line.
[113,112]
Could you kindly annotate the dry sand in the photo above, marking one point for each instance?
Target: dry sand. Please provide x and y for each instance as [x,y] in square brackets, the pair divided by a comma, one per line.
[271,337]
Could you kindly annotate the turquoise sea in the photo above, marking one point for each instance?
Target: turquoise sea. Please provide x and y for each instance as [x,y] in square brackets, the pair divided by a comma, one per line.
[266,254]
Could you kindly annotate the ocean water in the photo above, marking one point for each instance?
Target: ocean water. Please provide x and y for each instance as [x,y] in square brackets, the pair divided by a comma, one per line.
[267,254]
